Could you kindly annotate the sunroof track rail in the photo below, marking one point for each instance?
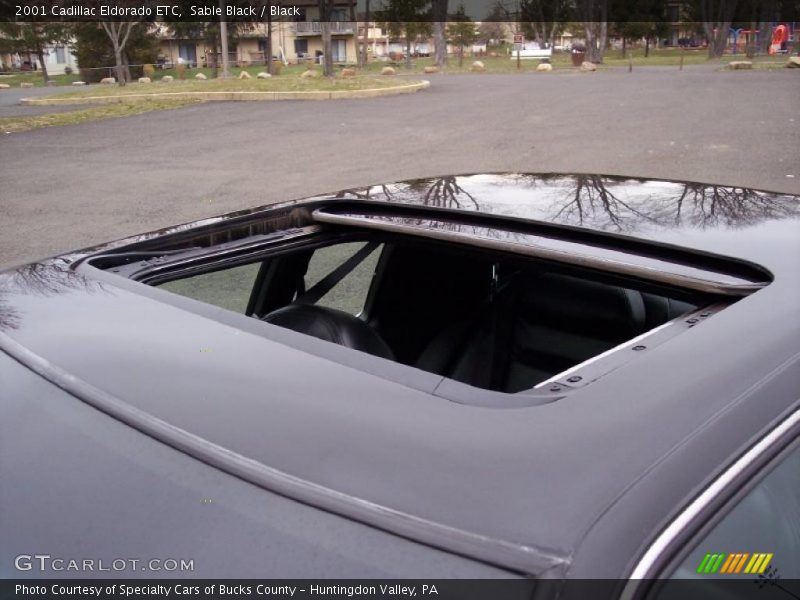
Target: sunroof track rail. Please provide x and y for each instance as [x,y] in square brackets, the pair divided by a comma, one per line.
[604,258]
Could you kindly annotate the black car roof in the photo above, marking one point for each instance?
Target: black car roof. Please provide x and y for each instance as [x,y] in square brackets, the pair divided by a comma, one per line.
[525,488]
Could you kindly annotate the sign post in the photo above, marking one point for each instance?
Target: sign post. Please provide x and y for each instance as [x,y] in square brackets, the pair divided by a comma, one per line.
[519,39]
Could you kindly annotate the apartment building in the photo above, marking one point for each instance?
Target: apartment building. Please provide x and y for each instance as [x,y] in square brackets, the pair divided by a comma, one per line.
[292,41]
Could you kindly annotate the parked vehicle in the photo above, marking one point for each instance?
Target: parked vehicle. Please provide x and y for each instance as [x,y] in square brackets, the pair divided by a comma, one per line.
[422,50]
[520,376]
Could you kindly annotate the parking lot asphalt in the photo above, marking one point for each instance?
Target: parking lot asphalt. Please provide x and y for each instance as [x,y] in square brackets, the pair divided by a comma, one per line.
[10,106]
[68,187]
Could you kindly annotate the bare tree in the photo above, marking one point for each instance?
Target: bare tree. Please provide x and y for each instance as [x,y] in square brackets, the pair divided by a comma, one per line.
[594,15]
[325,7]
[492,31]
[544,18]
[363,50]
[9,316]
[268,48]
[445,192]
[717,16]
[713,205]
[766,16]
[354,21]
[593,201]
[119,33]
[439,16]
[604,202]
[223,40]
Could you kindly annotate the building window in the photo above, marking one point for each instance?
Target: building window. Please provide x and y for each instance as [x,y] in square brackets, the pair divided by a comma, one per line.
[339,50]
[301,47]
[61,55]
[187,54]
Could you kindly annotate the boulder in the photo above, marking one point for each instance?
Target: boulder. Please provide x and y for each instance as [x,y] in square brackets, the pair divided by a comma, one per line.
[430,70]
[793,62]
[78,83]
[200,77]
[145,80]
[737,65]
[245,75]
[167,78]
[493,54]
[544,67]
[26,85]
[108,80]
[388,71]
[310,74]
[348,72]
[263,75]
[477,67]
[4,86]
[51,83]
[588,66]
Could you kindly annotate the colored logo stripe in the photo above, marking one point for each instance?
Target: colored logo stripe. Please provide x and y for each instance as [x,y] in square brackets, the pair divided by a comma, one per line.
[734,563]
[703,564]
[710,563]
[732,559]
[741,562]
[758,564]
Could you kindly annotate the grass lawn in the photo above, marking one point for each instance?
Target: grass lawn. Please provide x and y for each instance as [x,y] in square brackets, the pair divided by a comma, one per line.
[137,105]
[282,83]
[503,63]
[95,113]
[662,57]
[35,77]
[506,63]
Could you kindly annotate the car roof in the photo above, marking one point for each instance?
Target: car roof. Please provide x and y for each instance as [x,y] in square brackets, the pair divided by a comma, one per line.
[525,488]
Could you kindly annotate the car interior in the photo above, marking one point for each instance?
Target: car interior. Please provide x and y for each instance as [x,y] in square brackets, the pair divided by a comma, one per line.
[494,321]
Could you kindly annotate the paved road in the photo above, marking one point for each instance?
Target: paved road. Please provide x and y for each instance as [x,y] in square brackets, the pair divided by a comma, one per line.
[69,187]
[10,106]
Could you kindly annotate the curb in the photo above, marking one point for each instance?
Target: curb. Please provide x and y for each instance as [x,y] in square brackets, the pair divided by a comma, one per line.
[237,96]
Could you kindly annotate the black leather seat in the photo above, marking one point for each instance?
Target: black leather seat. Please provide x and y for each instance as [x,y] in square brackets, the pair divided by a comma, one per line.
[330,325]
[660,309]
[539,326]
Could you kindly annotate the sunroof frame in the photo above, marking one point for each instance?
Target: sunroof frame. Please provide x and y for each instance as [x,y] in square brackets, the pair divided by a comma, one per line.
[329,222]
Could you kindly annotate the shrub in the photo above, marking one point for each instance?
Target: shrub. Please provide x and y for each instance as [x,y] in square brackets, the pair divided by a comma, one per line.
[148,70]
[180,69]
[67,70]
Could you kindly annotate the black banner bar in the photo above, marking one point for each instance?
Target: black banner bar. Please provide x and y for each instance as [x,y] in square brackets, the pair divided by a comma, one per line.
[743,588]
[616,11]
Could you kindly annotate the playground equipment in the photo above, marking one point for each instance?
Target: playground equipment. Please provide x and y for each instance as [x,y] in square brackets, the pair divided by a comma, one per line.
[779,36]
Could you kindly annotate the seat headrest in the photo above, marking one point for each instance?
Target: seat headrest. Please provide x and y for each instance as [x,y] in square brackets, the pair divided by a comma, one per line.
[586,306]
[330,325]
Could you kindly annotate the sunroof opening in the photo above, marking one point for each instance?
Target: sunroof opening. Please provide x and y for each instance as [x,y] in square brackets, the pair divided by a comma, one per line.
[494,320]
